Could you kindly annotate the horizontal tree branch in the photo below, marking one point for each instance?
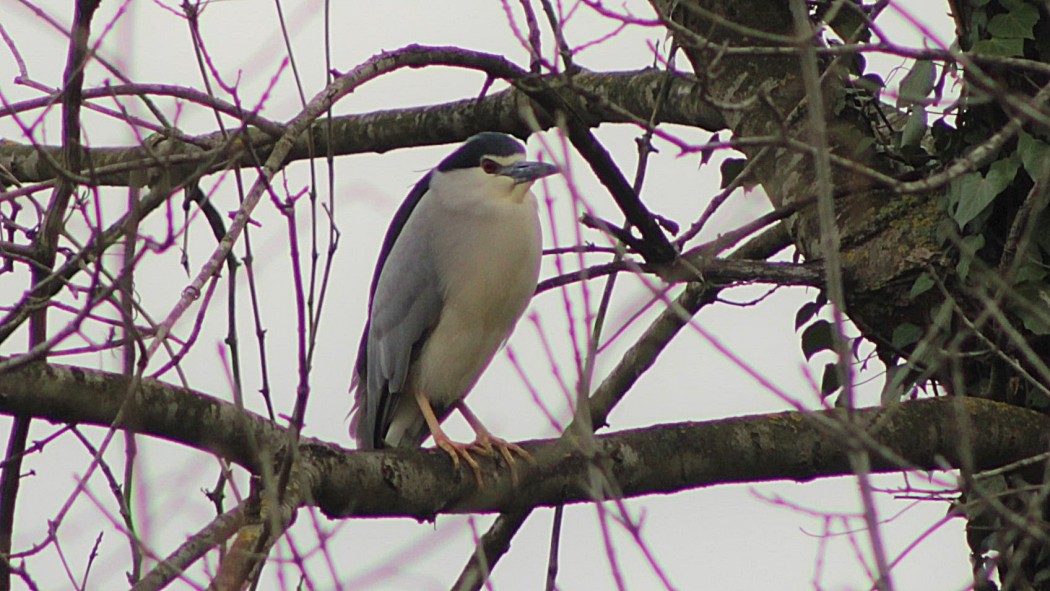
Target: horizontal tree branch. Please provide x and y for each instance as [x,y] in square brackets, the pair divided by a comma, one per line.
[68,394]
[632,92]
[925,435]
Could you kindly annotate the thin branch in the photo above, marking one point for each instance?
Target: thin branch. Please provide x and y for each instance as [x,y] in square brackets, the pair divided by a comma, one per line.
[45,245]
[218,531]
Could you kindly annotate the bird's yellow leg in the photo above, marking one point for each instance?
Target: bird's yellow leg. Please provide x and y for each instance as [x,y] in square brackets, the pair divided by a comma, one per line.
[455,449]
[489,442]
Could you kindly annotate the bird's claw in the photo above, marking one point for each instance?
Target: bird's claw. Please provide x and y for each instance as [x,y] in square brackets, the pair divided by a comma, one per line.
[492,444]
[458,450]
[486,445]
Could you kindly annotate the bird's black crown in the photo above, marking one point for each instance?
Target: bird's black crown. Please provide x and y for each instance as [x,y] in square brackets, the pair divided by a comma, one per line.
[486,143]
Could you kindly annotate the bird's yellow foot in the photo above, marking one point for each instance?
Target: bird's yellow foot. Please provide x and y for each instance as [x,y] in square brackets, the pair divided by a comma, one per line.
[492,444]
[457,450]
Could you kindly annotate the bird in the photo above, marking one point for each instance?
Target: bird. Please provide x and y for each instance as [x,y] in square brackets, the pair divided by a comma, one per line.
[456,270]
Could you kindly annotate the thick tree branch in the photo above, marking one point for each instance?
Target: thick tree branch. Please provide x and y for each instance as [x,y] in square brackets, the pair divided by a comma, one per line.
[927,435]
[66,394]
[632,92]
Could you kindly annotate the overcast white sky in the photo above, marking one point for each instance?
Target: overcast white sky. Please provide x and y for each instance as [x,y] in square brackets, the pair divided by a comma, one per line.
[725,537]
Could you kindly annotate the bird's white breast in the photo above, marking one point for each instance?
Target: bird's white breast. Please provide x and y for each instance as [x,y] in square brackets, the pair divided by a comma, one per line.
[488,255]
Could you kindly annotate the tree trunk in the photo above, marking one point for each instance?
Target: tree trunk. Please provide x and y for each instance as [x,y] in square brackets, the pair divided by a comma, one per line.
[978,327]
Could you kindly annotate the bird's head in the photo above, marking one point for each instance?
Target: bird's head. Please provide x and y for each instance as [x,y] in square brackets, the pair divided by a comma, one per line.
[492,165]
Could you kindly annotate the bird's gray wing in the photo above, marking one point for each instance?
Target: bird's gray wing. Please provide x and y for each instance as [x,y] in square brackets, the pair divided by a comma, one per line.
[404,304]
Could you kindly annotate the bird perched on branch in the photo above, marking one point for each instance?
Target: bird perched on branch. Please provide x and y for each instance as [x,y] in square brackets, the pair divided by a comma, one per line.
[456,270]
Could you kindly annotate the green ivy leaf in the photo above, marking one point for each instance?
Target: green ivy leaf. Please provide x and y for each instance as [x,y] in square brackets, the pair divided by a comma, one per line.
[731,168]
[1015,24]
[816,338]
[978,24]
[922,284]
[1034,154]
[962,188]
[976,192]
[968,248]
[806,313]
[1000,46]
[1032,310]
[1035,323]
[914,127]
[706,153]
[855,349]
[1031,269]
[851,24]
[1001,173]
[905,334]
[829,382]
[917,84]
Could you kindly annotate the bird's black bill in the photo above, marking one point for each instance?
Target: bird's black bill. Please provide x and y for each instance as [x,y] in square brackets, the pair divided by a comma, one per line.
[526,172]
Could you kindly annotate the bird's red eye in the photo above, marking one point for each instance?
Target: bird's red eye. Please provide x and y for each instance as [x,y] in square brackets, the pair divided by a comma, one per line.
[490,166]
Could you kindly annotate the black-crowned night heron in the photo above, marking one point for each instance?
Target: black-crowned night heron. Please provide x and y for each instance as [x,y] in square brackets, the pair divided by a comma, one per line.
[455,272]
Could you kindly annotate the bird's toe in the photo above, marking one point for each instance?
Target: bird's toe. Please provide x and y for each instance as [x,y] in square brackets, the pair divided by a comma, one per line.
[458,450]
